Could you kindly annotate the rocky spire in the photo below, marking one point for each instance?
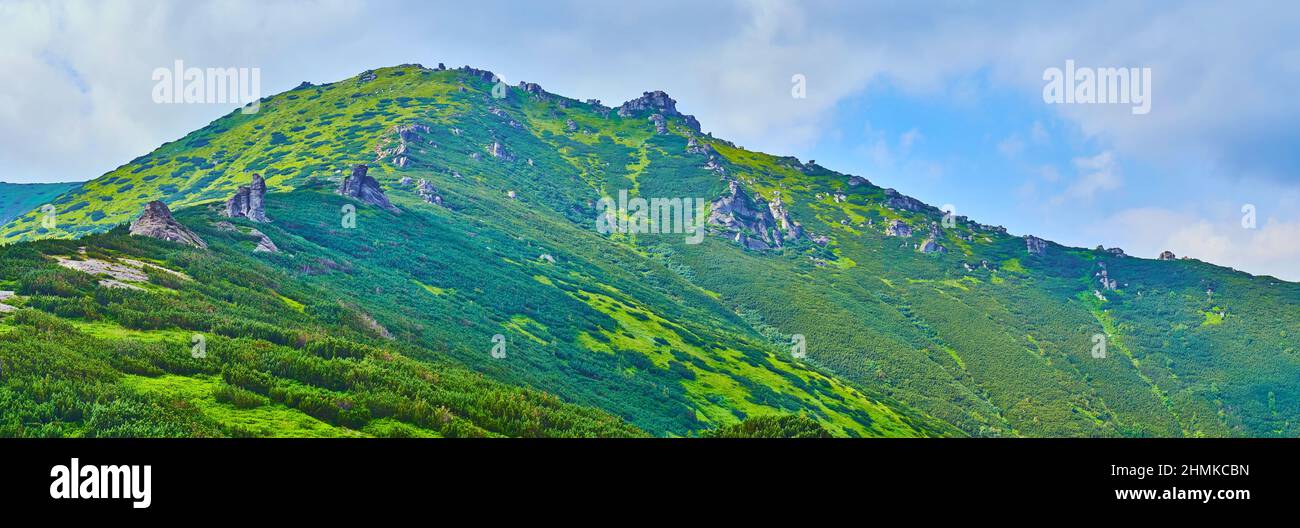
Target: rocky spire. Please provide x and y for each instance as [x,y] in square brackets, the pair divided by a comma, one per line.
[157,222]
[656,102]
[363,187]
[748,221]
[1035,245]
[248,201]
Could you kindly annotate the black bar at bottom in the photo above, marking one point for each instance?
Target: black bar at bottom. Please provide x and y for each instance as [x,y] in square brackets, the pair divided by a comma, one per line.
[323,478]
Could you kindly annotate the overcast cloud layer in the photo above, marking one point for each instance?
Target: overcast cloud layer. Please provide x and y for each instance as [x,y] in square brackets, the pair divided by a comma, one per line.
[1225,117]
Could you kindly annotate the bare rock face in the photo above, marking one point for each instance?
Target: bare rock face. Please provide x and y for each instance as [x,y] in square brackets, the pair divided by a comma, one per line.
[656,102]
[249,201]
[534,89]
[699,147]
[1035,245]
[749,221]
[900,202]
[1167,255]
[1107,283]
[1117,252]
[931,246]
[790,228]
[661,125]
[363,187]
[898,228]
[264,243]
[157,222]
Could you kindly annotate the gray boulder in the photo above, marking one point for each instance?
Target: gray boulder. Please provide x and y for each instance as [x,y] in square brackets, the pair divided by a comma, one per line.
[363,187]
[157,222]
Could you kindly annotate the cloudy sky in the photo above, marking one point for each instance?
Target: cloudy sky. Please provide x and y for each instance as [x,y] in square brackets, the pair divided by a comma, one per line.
[941,101]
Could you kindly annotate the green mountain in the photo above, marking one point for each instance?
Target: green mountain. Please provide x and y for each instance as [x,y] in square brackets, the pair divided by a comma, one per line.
[501,294]
[19,198]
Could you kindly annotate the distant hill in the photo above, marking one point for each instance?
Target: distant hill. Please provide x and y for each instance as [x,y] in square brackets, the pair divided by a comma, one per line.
[19,198]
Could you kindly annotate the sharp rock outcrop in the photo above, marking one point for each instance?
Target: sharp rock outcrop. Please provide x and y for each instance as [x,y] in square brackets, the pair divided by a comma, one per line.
[694,146]
[248,201]
[900,202]
[363,187]
[931,246]
[790,228]
[750,221]
[264,243]
[1035,245]
[1113,251]
[656,102]
[157,222]
[661,124]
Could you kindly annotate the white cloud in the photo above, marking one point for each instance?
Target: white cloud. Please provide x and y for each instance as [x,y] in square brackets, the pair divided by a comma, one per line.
[1271,249]
[1097,174]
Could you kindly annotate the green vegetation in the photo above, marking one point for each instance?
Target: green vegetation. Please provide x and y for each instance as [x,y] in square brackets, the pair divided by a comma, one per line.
[788,426]
[19,198]
[387,329]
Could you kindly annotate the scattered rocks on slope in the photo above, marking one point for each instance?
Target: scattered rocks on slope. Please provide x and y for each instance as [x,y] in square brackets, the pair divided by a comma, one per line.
[402,137]
[898,228]
[248,201]
[699,147]
[92,266]
[157,222]
[1035,245]
[264,243]
[1167,255]
[427,192]
[570,125]
[855,181]
[1103,277]
[497,150]
[118,274]
[363,187]
[4,296]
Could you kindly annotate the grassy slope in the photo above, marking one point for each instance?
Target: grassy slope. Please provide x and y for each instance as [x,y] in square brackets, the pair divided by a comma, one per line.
[994,352]
[19,198]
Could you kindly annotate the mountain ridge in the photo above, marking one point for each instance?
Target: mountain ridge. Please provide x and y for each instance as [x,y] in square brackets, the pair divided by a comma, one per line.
[649,101]
[961,325]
